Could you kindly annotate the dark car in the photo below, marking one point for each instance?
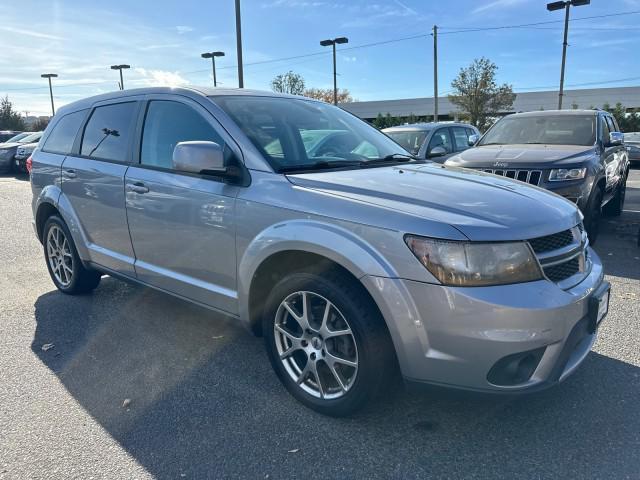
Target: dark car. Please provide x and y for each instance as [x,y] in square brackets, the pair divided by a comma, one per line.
[8,149]
[434,141]
[8,135]
[632,142]
[23,152]
[578,154]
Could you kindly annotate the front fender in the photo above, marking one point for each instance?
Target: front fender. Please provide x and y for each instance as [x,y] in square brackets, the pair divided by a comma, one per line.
[327,240]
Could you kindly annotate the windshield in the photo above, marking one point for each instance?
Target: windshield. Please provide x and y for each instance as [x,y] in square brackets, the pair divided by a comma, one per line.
[549,130]
[293,133]
[632,137]
[31,138]
[411,140]
[18,137]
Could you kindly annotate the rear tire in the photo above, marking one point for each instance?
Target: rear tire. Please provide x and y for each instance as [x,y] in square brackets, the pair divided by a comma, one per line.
[616,204]
[331,374]
[593,215]
[65,267]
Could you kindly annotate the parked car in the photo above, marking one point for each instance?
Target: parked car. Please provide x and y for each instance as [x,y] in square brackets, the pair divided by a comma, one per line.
[9,149]
[578,154]
[632,142]
[349,264]
[434,141]
[8,135]
[23,152]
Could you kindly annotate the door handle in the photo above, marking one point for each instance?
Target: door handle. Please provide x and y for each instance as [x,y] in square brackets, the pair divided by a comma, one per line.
[70,173]
[137,187]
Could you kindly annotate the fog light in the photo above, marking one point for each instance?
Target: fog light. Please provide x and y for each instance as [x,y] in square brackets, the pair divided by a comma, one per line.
[516,368]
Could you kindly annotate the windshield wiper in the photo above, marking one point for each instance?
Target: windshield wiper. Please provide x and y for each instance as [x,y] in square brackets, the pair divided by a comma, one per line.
[394,157]
[322,165]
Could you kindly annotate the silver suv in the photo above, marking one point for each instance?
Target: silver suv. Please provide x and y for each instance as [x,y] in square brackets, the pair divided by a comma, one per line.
[311,228]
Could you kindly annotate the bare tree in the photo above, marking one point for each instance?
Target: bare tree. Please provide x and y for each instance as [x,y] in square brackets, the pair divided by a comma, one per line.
[326,95]
[477,94]
[289,82]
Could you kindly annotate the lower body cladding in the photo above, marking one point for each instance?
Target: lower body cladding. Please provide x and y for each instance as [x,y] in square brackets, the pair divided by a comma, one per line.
[509,338]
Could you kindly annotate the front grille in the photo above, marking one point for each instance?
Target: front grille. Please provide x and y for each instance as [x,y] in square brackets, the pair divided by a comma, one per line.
[562,271]
[532,177]
[551,242]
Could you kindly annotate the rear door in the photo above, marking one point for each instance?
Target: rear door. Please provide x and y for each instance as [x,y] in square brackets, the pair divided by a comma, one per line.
[182,225]
[93,182]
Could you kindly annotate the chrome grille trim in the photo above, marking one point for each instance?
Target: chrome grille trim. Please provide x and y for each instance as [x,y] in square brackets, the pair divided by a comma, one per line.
[532,177]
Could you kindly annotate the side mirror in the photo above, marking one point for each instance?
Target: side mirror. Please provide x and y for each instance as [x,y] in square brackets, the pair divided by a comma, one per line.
[473,139]
[437,151]
[199,157]
[616,138]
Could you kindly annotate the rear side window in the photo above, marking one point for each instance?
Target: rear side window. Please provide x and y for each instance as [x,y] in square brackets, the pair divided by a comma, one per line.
[64,133]
[461,138]
[106,135]
[168,123]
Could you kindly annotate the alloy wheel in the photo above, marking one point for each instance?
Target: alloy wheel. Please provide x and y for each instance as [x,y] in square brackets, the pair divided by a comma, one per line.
[316,345]
[59,255]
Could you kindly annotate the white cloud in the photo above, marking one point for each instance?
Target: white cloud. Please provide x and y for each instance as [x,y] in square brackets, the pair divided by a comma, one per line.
[160,78]
[182,29]
[30,33]
[497,4]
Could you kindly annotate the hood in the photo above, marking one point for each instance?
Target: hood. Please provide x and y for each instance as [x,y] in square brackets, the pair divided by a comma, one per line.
[481,206]
[522,156]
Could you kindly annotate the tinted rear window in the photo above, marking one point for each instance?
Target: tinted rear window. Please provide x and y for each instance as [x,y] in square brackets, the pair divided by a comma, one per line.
[106,135]
[64,133]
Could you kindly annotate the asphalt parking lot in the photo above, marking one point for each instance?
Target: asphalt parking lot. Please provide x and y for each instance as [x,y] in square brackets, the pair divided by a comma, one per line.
[202,401]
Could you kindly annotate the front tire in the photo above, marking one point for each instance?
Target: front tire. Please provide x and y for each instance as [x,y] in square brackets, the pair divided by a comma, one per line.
[64,264]
[327,342]
[593,215]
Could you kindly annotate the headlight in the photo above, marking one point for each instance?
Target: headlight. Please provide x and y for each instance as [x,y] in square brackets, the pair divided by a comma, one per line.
[558,174]
[476,264]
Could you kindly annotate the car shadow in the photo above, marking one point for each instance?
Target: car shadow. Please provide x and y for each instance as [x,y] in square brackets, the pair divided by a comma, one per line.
[201,401]
[16,176]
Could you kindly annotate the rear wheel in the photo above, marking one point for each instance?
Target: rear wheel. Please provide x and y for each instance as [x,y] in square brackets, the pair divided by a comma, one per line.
[593,215]
[64,264]
[327,342]
[616,204]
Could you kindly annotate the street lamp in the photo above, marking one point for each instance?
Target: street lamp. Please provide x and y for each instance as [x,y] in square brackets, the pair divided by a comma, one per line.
[333,42]
[120,67]
[50,76]
[559,6]
[212,56]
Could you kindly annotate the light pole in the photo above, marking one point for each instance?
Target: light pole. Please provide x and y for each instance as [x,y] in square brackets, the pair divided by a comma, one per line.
[333,42]
[120,67]
[50,76]
[239,45]
[435,73]
[559,6]
[212,56]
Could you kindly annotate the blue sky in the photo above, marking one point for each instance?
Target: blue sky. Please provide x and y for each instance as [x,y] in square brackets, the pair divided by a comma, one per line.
[162,40]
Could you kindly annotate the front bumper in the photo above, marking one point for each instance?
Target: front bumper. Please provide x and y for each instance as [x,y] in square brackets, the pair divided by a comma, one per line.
[576,191]
[454,336]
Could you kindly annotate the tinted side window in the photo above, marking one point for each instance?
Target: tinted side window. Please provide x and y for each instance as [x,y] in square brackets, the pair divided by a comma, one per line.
[106,135]
[168,123]
[461,138]
[441,138]
[64,133]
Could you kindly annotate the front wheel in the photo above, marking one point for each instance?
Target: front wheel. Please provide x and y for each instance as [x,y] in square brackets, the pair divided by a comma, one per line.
[327,342]
[593,215]
[64,264]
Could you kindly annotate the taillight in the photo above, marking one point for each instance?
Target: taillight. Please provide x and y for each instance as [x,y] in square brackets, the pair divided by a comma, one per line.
[29,164]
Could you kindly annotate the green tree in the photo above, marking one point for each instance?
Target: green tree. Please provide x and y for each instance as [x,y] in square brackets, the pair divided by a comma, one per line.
[289,82]
[477,93]
[9,118]
[627,121]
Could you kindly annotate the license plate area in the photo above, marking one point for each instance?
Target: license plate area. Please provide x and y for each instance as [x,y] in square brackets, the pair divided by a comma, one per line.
[599,306]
